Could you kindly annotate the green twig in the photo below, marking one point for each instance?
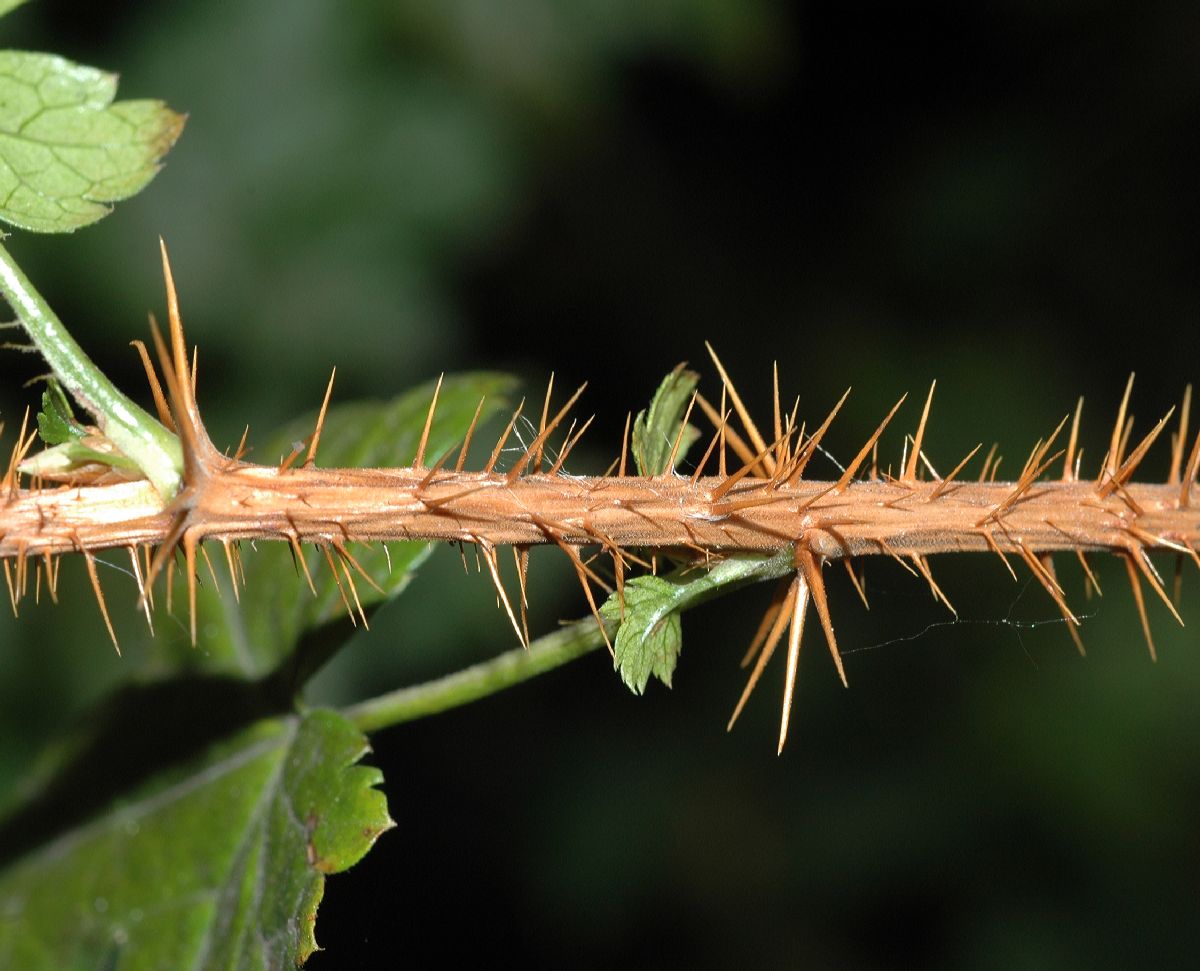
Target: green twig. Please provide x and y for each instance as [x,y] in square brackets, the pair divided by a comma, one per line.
[479,681]
[141,438]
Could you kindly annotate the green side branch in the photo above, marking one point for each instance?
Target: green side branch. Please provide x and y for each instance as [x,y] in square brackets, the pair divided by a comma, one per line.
[138,436]
[478,681]
[686,587]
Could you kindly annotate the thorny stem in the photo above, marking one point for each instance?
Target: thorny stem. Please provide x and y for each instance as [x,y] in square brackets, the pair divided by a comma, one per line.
[478,681]
[131,429]
[252,502]
[765,507]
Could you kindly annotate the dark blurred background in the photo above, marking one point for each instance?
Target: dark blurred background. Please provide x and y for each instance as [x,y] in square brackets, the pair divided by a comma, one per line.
[1001,196]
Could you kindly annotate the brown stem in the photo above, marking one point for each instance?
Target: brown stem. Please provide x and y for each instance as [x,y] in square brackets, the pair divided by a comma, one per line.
[241,501]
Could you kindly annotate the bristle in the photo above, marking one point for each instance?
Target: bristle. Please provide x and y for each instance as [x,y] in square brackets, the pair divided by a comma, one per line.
[521,559]
[536,461]
[743,414]
[188,542]
[723,430]
[854,579]
[1142,561]
[928,466]
[865,450]
[433,471]
[240,451]
[795,633]
[1068,473]
[466,445]
[732,480]
[910,471]
[1154,540]
[324,548]
[1047,562]
[418,461]
[768,620]
[19,449]
[582,572]
[809,449]
[1136,586]
[362,614]
[1130,464]
[23,570]
[488,551]
[198,450]
[1125,436]
[1094,584]
[90,562]
[669,470]
[211,570]
[625,444]
[12,590]
[1179,438]
[784,613]
[52,564]
[1189,474]
[347,558]
[811,569]
[534,452]
[156,391]
[440,502]
[289,460]
[1050,584]
[987,462]
[311,457]
[713,442]
[162,556]
[944,484]
[1113,462]
[301,562]
[1034,466]
[887,548]
[729,435]
[499,447]
[570,443]
[170,585]
[233,573]
[922,565]
[777,411]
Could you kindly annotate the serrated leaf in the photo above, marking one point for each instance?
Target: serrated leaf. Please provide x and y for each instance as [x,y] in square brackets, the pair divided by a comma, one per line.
[66,149]
[656,429]
[649,638]
[217,862]
[277,609]
[72,446]
[56,421]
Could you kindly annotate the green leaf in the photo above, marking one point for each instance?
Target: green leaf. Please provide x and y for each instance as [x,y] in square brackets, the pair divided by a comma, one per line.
[650,637]
[216,862]
[277,612]
[7,5]
[656,430]
[56,421]
[66,149]
[71,445]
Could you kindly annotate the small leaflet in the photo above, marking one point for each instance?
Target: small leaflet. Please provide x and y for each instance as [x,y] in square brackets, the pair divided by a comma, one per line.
[656,429]
[651,634]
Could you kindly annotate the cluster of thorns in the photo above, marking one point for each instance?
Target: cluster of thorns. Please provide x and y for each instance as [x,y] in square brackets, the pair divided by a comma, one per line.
[762,504]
